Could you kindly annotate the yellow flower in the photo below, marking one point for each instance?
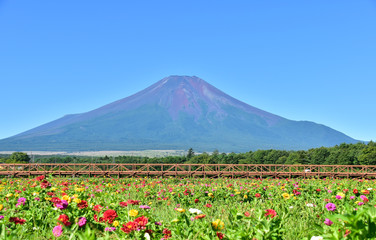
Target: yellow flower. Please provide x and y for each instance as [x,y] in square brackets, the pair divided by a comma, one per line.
[79,189]
[9,195]
[77,200]
[1,207]
[245,197]
[175,220]
[133,213]
[53,189]
[237,193]
[286,196]
[149,203]
[67,198]
[48,198]
[210,195]
[181,210]
[75,195]
[115,223]
[35,193]
[341,194]
[218,224]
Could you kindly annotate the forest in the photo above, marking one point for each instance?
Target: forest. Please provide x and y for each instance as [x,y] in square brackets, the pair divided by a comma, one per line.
[343,154]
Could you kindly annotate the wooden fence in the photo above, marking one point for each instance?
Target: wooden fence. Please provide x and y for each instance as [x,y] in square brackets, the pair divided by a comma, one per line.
[188,170]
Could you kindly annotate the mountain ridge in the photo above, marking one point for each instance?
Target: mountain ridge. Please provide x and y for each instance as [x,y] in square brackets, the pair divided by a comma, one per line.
[177,112]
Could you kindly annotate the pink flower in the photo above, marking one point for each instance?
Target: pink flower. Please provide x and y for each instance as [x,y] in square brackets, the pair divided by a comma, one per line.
[57,231]
[328,222]
[81,221]
[330,206]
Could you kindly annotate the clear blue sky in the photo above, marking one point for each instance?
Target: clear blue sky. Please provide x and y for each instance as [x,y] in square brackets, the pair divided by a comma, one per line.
[302,60]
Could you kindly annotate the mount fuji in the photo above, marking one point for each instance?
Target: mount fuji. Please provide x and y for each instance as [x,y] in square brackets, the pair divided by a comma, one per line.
[177,112]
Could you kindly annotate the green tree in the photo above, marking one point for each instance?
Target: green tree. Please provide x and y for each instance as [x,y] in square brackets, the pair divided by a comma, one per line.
[19,157]
[368,155]
[191,153]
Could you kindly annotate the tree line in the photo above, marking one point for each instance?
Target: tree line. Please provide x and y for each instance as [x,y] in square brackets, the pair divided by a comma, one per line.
[343,154]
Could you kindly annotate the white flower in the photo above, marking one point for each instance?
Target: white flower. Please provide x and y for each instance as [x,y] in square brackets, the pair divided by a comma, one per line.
[317,238]
[195,210]
[147,236]
[35,228]
[369,189]
[55,208]
[291,207]
[310,205]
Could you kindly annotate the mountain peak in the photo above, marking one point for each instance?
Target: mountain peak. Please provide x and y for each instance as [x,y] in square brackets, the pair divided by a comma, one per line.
[177,112]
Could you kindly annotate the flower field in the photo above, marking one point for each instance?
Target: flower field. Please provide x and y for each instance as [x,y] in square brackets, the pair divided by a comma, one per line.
[188,208]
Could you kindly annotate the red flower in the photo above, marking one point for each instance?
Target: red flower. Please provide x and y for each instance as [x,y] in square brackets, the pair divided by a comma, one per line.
[64,219]
[141,222]
[97,208]
[129,227]
[82,204]
[208,205]
[167,233]
[200,216]
[220,235]
[196,200]
[45,184]
[123,204]
[17,220]
[247,214]
[318,190]
[109,216]
[355,191]
[40,178]
[133,202]
[55,200]
[258,195]
[271,213]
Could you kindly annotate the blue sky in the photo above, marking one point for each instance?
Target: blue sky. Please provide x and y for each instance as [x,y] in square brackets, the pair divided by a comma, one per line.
[302,60]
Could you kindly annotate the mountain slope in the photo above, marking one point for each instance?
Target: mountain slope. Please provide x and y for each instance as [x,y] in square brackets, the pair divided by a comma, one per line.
[177,112]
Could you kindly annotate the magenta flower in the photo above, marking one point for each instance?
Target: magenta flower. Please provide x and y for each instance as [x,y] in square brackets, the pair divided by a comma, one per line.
[338,197]
[81,221]
[57,231]
[330,206]
[110,229]
[22,200]
[62,205]
[328,222]
[145,207]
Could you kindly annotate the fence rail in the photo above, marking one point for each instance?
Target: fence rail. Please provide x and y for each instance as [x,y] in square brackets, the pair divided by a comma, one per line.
[191,170]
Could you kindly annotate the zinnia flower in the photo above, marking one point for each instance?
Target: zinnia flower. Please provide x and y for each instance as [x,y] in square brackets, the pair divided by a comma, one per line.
[62,205]
[218,224]
[328,222]
[317,238]
[271,213]
[57,231]
[17,220]
[132,213]
[181,210]
[81,221]
[110,216]
[330,206]
[195,211]
[220,235]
